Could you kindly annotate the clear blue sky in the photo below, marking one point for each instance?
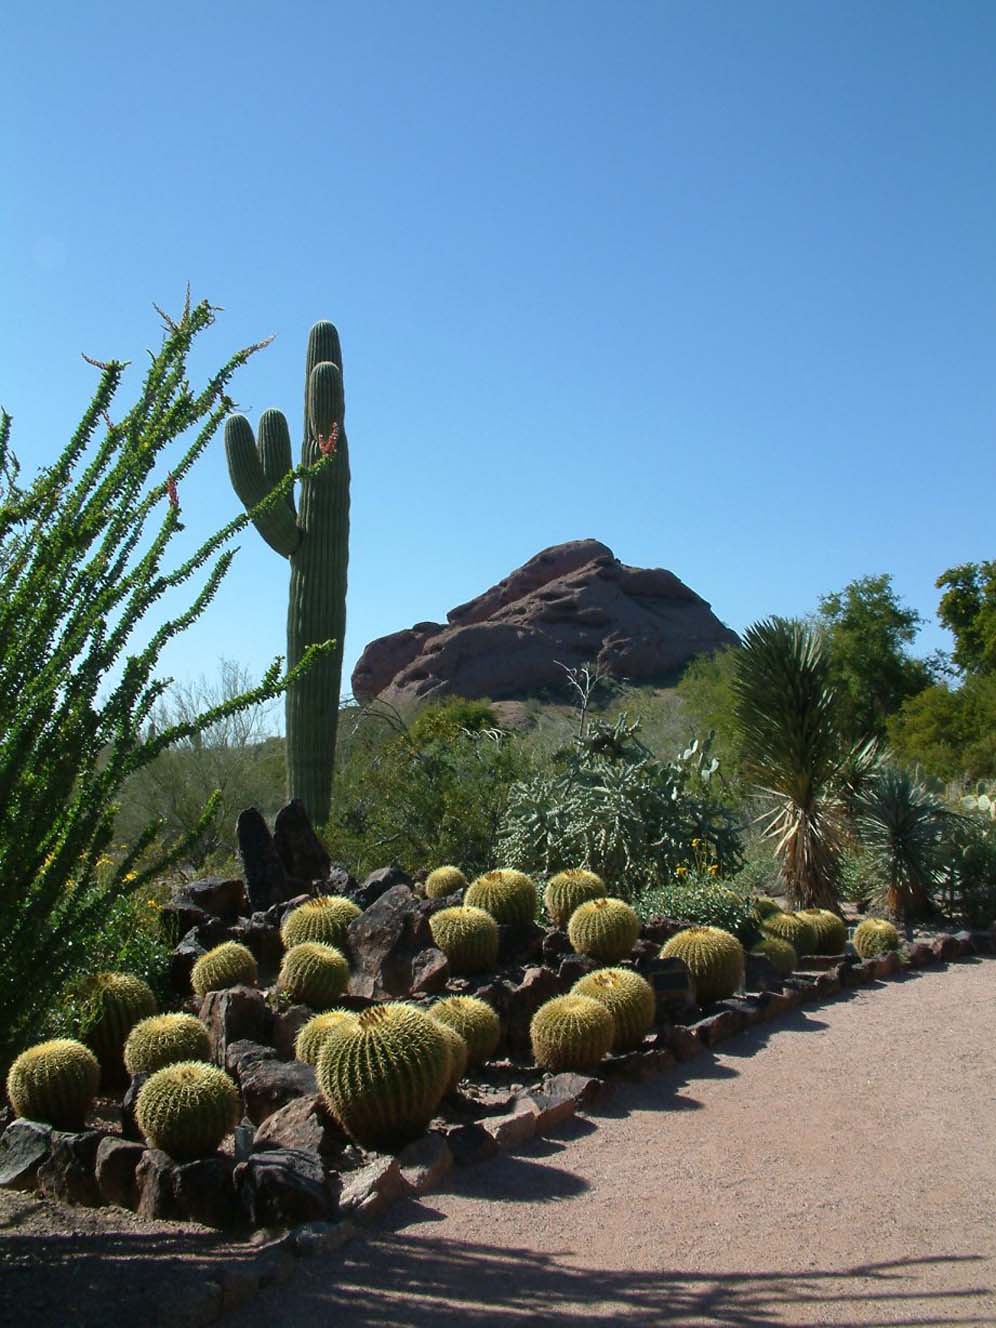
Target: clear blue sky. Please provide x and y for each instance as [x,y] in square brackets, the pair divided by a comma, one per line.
[711,282]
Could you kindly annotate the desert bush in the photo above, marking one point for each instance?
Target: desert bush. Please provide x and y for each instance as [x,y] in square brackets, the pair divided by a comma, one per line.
[901,826]
[703,901]
[968,863]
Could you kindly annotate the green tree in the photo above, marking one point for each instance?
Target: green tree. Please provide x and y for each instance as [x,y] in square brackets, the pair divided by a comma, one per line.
[968,610]
[84,547]
[871,671]
[707,693]
[949,731]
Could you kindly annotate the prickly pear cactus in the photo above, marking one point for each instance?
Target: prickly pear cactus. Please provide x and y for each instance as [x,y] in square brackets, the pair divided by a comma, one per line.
[779,954]
[115,1003]
[799,933]
[509,896]
[568,890]
[314,974]
[55,1082]
[714,958]
[383,1077]
[163,1040]
[628,998]
[444,881]
[874,937]
[475,1021]
[571,1032]
[227,965]
[468,937]
[312,1036]
[830,930]
[187,1109]
[315,540]
[324,919]
[605,929]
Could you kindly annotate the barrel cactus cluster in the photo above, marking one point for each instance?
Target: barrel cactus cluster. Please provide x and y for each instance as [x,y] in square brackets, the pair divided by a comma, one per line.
[117,1002]
[799,933]
[509,896]
[779,954]
[445,881]
[604,928]
[475,1021]
[568,890]
[311,1039]
[629,999]
[571,1032]
[165,1039]
[186,1109]
[55,1082]
[313,974]
[830,930]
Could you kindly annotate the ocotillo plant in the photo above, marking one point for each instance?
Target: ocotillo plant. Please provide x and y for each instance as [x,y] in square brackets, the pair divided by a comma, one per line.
[82,552]
[315,540]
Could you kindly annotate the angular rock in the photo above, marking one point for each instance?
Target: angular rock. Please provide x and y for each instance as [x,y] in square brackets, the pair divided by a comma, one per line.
[115,1167]
[430,971]
[269,1085]
[378,883]
[574,967]
[946,948]
[312,1238]
[266,879]
[222,897]
[241,1056]
[828,983]
[685,1043]
[555,945]
[523,999]
[520,944]
[572,603]
[369,1192]
[263,940]
[236,1014]
[425,1163]
[921,954]
[715,1027]
[154,1186]
[556,1101]
[299,849]
[69,1172]
[282,1187]
[304,1125]
[760,974]
[774,1003]
[129,1123]
[286,1026]
[338,881]
[515,1129]
[806,987]
[888,965]
[982,942]
[182,961]
[388,943]
[674,988]
[470,1143]
[746,1008]
[177,918]
[204,1191]
[24,1146]
[966,943]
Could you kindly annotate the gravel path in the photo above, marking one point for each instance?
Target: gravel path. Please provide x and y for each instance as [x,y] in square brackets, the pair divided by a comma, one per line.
[838,1167]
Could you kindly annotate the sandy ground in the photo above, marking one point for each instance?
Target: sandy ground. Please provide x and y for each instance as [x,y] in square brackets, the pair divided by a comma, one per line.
[837,1168]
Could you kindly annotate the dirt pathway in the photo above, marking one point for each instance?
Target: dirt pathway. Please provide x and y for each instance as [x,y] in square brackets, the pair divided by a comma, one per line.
[836,1168]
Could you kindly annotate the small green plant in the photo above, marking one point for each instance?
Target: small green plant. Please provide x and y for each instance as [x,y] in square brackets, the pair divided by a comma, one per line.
[567,890]
[444,881]
[605,929]
[384,1076]
[165,1039]
[230,964]
[187,1109]
[313,974]
[475,1021]
[875,936]
[509,896]
[714,958]
[325,919]
[627,997]
[571,1032]
[312,1036]
[55,1082]
[468,937]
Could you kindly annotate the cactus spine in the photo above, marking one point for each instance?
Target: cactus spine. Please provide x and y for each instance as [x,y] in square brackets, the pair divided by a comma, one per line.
[187,1109]
[55,1082]
[315,540]
[384,1076]
[571,1032]
[165,1039]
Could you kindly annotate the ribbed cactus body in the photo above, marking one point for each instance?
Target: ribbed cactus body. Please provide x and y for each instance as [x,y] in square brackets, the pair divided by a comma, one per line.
[779,954]
[459,1055]
[312,1036]
[314,974]
[764,907]
[227,965]
[187,1109]
[605,929]
[467,936]
[54,1082]
[571,1032]
[315,539]
[383,1077]
[830,930]
[568,890]
[874,937]
[714,958]
[165,1039]
[509,896]
[116,1001]
[324,919]
[628,998]
[800,934]
[475,1021]
[444,881]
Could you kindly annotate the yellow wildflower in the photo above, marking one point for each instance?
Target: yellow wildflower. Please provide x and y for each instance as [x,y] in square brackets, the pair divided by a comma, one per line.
[681,871]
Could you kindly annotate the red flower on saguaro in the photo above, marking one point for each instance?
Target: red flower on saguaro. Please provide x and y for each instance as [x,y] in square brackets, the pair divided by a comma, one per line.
[327,445]
[174,497]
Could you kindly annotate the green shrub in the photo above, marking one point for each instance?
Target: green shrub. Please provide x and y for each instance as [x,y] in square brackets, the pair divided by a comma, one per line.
[969,868]
[704,902]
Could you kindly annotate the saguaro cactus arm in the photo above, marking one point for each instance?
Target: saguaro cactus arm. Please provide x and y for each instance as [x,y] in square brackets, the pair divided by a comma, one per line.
[255,472]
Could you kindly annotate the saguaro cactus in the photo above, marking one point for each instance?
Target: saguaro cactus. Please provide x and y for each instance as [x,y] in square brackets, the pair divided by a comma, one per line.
[315,540]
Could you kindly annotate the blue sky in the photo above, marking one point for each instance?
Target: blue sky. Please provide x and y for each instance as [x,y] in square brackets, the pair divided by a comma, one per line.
[711,282]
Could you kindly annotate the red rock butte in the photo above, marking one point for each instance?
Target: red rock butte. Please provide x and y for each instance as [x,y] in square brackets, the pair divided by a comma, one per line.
[571,604]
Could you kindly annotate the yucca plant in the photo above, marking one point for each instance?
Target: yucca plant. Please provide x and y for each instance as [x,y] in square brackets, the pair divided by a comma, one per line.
[81,565]
[902,825]
[794,753]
